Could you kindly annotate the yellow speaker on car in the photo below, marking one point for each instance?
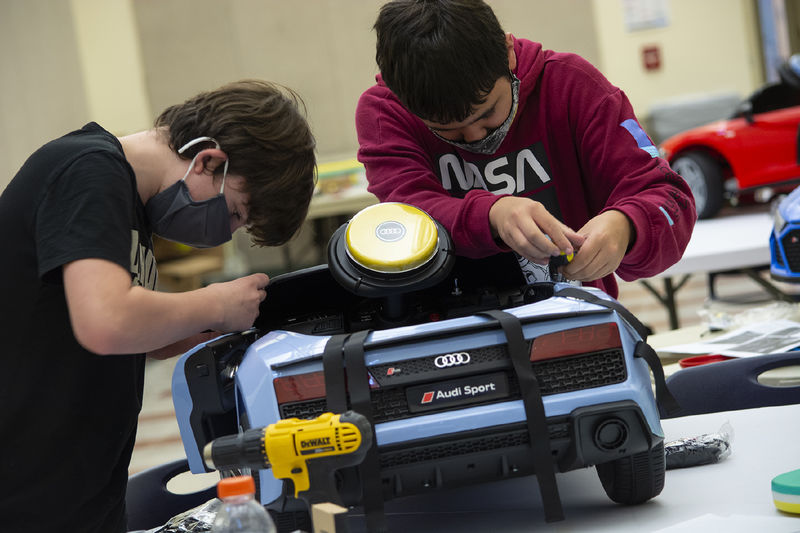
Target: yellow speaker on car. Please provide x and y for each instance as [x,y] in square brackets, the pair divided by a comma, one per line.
[391,237]
[390,248]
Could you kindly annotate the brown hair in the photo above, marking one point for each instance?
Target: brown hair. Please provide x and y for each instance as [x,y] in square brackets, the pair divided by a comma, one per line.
[440,57]
[259,125]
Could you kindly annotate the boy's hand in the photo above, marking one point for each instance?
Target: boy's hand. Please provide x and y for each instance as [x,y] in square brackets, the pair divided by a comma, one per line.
[529,229]
[607,238]
[239,300]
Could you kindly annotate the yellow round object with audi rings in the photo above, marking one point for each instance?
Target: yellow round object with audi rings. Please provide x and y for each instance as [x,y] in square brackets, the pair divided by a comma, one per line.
[389,248]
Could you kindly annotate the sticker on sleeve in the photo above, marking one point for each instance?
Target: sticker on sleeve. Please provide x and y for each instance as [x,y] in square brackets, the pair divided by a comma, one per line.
[642,140]
[669,218]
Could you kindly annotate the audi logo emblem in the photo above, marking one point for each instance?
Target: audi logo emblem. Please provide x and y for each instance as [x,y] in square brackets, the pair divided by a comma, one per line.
[451,359]
[390,231]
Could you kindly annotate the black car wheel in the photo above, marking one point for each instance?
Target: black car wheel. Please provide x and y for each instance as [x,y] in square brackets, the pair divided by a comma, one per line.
[636,478]
[704,176]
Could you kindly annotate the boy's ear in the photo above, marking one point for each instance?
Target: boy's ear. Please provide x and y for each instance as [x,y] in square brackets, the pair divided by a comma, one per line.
[209,160]
[512,57]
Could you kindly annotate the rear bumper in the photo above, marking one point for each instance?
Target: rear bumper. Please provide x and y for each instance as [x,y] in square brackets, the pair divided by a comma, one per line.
[587,436]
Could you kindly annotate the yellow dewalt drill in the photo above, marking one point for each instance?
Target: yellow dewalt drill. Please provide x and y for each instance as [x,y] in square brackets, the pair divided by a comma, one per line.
[308,452]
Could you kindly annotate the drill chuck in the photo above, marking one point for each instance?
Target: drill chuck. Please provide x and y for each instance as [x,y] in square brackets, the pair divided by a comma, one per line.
[243,450]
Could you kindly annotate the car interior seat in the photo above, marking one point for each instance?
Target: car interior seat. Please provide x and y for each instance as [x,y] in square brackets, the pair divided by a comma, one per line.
[732,385]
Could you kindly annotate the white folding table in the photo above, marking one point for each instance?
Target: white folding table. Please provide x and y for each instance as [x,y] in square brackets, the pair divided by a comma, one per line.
[736,241]
[733,495]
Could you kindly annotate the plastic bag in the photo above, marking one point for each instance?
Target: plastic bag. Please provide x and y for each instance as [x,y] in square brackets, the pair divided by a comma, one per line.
[705,449]
[197,520]
[720,320]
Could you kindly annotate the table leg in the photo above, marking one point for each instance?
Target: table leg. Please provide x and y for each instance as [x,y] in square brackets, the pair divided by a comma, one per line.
[667,299]
[778,294]
[754,273]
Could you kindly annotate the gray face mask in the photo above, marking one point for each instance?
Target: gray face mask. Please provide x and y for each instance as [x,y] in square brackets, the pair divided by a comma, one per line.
[489,144]
[176,217]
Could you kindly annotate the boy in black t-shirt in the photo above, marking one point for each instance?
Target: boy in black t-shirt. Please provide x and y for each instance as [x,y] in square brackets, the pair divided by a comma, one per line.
[77,277]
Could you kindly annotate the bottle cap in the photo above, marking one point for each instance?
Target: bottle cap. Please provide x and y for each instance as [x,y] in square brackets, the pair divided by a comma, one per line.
[236,486]
[391,238]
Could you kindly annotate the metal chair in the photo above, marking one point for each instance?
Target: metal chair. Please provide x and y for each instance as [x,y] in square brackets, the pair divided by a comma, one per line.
[731,385]
[150,504]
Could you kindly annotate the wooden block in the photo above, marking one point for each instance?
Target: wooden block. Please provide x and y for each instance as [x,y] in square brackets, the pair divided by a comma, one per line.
[328,518]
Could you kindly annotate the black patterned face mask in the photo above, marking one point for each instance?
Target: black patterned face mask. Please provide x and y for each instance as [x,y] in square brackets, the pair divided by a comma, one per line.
[489,144]
[175,216]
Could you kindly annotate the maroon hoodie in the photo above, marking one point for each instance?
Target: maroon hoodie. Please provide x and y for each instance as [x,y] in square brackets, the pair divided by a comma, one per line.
[575,146]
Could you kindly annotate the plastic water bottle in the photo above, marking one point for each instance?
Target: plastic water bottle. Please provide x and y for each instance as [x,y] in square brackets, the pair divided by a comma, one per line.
[240,512]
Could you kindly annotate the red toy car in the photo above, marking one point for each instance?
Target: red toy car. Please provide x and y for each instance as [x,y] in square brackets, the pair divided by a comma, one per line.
[756,148]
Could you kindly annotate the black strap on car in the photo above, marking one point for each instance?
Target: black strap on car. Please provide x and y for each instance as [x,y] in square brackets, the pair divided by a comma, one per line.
[336,398]
[370,468]
[346,351]
[583,294]
[664,397]
[538,432]
[333,370]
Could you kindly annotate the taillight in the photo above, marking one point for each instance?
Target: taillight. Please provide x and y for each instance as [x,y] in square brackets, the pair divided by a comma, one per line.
[301,387]
[576,341]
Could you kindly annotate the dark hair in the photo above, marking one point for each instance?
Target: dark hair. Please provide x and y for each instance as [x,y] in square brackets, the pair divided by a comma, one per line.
[268,142]
[440,57]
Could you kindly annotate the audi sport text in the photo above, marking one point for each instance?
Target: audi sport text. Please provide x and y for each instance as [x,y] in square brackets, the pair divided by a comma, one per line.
[474,389]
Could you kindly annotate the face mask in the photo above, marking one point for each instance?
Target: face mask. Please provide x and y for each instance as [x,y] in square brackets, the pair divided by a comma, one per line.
[176,217]
[489,144]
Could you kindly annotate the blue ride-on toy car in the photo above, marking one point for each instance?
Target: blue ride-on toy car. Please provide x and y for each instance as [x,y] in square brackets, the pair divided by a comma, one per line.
[784,241]
[467,374]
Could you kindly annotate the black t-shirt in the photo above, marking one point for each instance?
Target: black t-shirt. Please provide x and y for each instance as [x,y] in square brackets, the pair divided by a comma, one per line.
[67,416]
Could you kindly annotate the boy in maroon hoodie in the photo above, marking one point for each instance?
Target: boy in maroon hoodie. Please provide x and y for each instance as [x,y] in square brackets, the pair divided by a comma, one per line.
[516,148]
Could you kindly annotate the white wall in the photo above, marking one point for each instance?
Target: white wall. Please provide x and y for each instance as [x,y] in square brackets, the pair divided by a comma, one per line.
[111,64]
[120,62]
[42,91]
[709,46]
